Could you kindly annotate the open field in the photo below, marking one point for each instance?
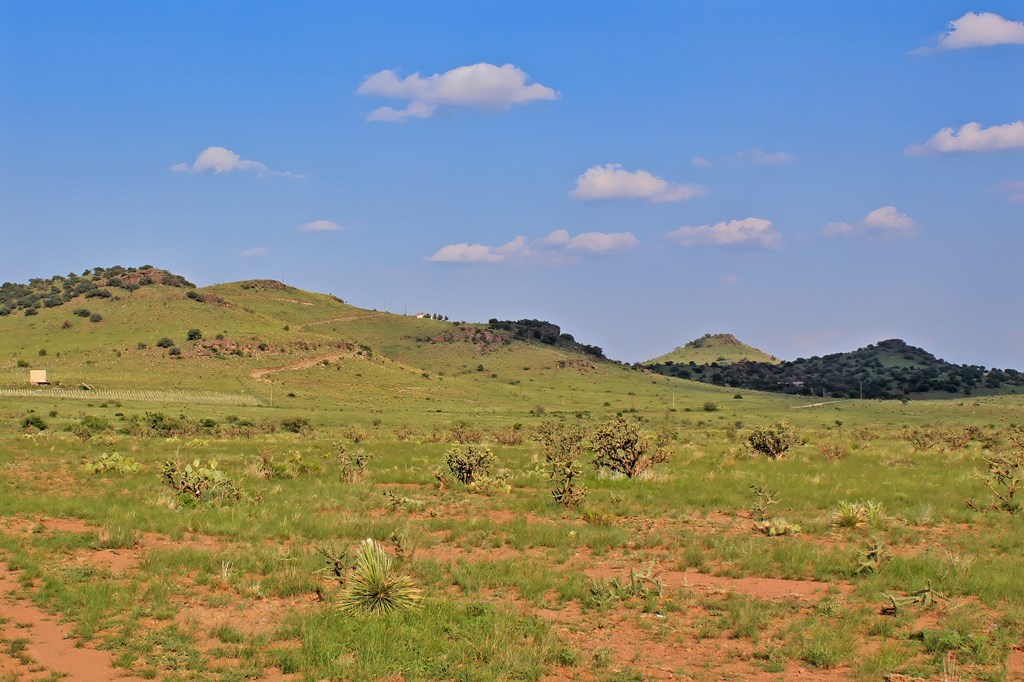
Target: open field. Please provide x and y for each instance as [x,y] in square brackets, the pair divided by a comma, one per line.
[878,557]
[515,587]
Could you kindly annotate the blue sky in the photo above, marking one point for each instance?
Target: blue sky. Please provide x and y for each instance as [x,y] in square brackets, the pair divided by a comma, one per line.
[811,177]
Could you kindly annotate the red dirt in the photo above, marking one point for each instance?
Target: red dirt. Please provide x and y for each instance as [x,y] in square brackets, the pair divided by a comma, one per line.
[48,643]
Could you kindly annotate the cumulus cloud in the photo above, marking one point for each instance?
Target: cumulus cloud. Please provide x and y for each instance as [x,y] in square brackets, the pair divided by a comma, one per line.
[222,160]
[319,226]
[255,251]
[483,86]
[612,181]
[1014,190]
[762,158]
[978,30]
[972,137]
[885,221]
[552,248]
[748,232]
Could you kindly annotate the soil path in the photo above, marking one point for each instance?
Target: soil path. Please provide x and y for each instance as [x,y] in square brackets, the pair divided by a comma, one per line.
[48,645]
[304,363]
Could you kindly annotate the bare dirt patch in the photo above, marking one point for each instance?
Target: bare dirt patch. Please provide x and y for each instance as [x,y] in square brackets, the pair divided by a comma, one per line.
[49,648]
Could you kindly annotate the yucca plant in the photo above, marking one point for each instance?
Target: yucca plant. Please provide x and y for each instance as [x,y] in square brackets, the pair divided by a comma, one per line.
[850,515]
[375,586]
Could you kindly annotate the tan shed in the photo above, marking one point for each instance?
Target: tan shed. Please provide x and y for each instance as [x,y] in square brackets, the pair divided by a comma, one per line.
[37,377]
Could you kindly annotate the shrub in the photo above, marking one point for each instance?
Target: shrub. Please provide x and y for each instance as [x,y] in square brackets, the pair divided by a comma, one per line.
[353,464]
[111,462]
[34,421]
[463,432]
[563,447]
[296,425]
[355,433]
[164,342]
[197,483]
[1004,479]
[194,335]
[469,462]
[95,317]
[174,352]
[292,465]
[513,435]
[375,586]
[832,450]
[773,440]
[81,312]
[623,447]
[710,406]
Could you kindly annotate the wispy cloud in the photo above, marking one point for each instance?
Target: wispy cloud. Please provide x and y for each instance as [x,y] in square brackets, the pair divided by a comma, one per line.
[320,226]
[978,30]
[701,162]
[554,248]
[222,160]
[255,251]
[882,222]
[482,86]
[972,137]
[612,181]
[762,158]
[748,232]
[1014,190]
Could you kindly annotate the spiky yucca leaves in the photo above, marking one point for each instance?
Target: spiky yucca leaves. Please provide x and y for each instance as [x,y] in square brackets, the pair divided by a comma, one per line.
[375,585]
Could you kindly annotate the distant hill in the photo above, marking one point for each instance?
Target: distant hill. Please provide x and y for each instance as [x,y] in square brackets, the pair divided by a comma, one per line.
[888,369]
[121,333]
[722,349]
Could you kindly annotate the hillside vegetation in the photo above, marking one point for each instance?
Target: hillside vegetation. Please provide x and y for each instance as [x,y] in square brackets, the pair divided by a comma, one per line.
[721,349]
[888,369]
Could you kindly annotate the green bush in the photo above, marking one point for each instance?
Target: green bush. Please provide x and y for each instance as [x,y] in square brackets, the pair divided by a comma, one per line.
[773,440]
[623,447]
[469,462]
[34,421]
[296,425]
[164,342]
[194,335]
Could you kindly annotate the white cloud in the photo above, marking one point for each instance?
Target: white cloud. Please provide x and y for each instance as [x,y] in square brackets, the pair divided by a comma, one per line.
[1014,190]
[222,160]
[978,30]
[972,137]
[483,86]
[551,249]
[885,221]
[763,158]
[320,226]
[756,232]
[601,242]
[700,162]
[255,251]
[478,253]
[612,181]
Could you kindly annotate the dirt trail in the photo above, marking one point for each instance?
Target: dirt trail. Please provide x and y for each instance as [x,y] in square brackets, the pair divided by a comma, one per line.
[304,363]
[48,646]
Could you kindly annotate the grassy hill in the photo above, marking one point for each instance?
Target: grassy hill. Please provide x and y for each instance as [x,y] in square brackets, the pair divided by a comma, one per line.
[263,343]
[888,369]
[722,349]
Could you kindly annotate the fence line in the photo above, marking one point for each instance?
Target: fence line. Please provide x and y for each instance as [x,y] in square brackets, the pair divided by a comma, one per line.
[128,394]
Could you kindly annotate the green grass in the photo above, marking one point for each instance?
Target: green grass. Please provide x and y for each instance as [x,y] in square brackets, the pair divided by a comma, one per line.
[497,572]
